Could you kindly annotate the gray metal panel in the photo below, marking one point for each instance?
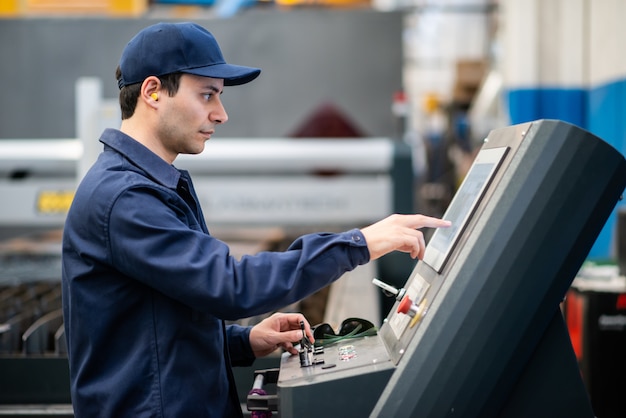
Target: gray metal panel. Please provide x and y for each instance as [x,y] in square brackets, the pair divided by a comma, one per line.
[349,389]
[352,58]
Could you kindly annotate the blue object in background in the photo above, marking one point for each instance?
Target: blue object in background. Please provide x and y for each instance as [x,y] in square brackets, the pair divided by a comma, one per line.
[607,119]
[223,8]
[229,8]
[568,105]
[600,110]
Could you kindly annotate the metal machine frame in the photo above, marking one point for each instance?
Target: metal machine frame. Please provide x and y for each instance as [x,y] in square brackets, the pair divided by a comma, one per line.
[480,332]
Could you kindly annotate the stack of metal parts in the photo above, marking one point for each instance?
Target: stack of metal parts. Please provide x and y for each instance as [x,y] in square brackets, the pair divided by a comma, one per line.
[33,357]
[31,320]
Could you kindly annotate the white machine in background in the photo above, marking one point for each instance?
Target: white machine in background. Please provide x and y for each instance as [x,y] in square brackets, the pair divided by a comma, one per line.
[240,182]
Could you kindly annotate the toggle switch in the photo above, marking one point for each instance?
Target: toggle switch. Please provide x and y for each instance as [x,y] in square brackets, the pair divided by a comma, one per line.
[389,290]
[306,349]
[415,311]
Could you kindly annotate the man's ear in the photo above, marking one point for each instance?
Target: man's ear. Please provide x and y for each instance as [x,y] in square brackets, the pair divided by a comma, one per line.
[150,90]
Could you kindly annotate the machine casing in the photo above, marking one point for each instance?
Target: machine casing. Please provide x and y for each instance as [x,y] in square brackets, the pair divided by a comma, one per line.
[489,340]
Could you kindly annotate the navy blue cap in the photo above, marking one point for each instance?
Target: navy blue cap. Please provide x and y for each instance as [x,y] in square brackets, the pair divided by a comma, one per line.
[166,48]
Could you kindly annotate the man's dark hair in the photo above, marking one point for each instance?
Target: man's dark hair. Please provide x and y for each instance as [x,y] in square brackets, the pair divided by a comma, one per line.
[129,94]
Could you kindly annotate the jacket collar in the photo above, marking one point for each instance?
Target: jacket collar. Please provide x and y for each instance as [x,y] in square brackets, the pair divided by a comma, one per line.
[139,155]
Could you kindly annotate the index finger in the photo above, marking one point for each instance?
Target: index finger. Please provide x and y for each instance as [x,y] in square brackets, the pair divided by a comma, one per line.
[293,322]
[422,221]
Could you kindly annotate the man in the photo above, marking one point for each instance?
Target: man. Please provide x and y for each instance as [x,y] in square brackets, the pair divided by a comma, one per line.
[146,288]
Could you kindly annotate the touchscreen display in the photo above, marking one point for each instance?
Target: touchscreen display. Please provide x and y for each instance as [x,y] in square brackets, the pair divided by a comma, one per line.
[462,206]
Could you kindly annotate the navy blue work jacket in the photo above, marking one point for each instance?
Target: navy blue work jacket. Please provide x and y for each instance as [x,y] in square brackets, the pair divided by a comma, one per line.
[146,290]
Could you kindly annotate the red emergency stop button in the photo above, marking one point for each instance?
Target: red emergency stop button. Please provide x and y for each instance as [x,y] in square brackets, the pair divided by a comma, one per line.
[405,305]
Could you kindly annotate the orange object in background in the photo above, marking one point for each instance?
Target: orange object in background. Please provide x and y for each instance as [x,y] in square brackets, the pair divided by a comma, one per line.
[13,8]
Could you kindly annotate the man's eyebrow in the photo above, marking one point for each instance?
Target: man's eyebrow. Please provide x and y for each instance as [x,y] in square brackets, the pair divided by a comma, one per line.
[212,87]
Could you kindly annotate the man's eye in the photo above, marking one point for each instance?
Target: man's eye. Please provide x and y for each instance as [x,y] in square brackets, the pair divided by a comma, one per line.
[207,96]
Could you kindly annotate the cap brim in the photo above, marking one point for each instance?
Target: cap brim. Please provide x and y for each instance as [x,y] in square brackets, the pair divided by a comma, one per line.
[233,75]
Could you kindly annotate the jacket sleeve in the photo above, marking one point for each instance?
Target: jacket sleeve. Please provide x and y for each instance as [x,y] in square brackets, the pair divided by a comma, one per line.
[239,345]
[163,248]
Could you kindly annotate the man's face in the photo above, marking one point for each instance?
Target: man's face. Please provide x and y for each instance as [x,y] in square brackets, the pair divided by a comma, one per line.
[188,119]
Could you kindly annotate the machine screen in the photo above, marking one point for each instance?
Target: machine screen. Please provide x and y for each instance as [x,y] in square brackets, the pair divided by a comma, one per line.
[462,206]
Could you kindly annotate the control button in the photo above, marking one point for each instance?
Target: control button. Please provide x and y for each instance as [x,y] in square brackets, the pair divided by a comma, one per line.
[416,312]
[405,306]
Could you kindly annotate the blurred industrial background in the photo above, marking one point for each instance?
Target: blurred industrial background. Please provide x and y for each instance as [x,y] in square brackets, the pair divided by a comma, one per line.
[363,108]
